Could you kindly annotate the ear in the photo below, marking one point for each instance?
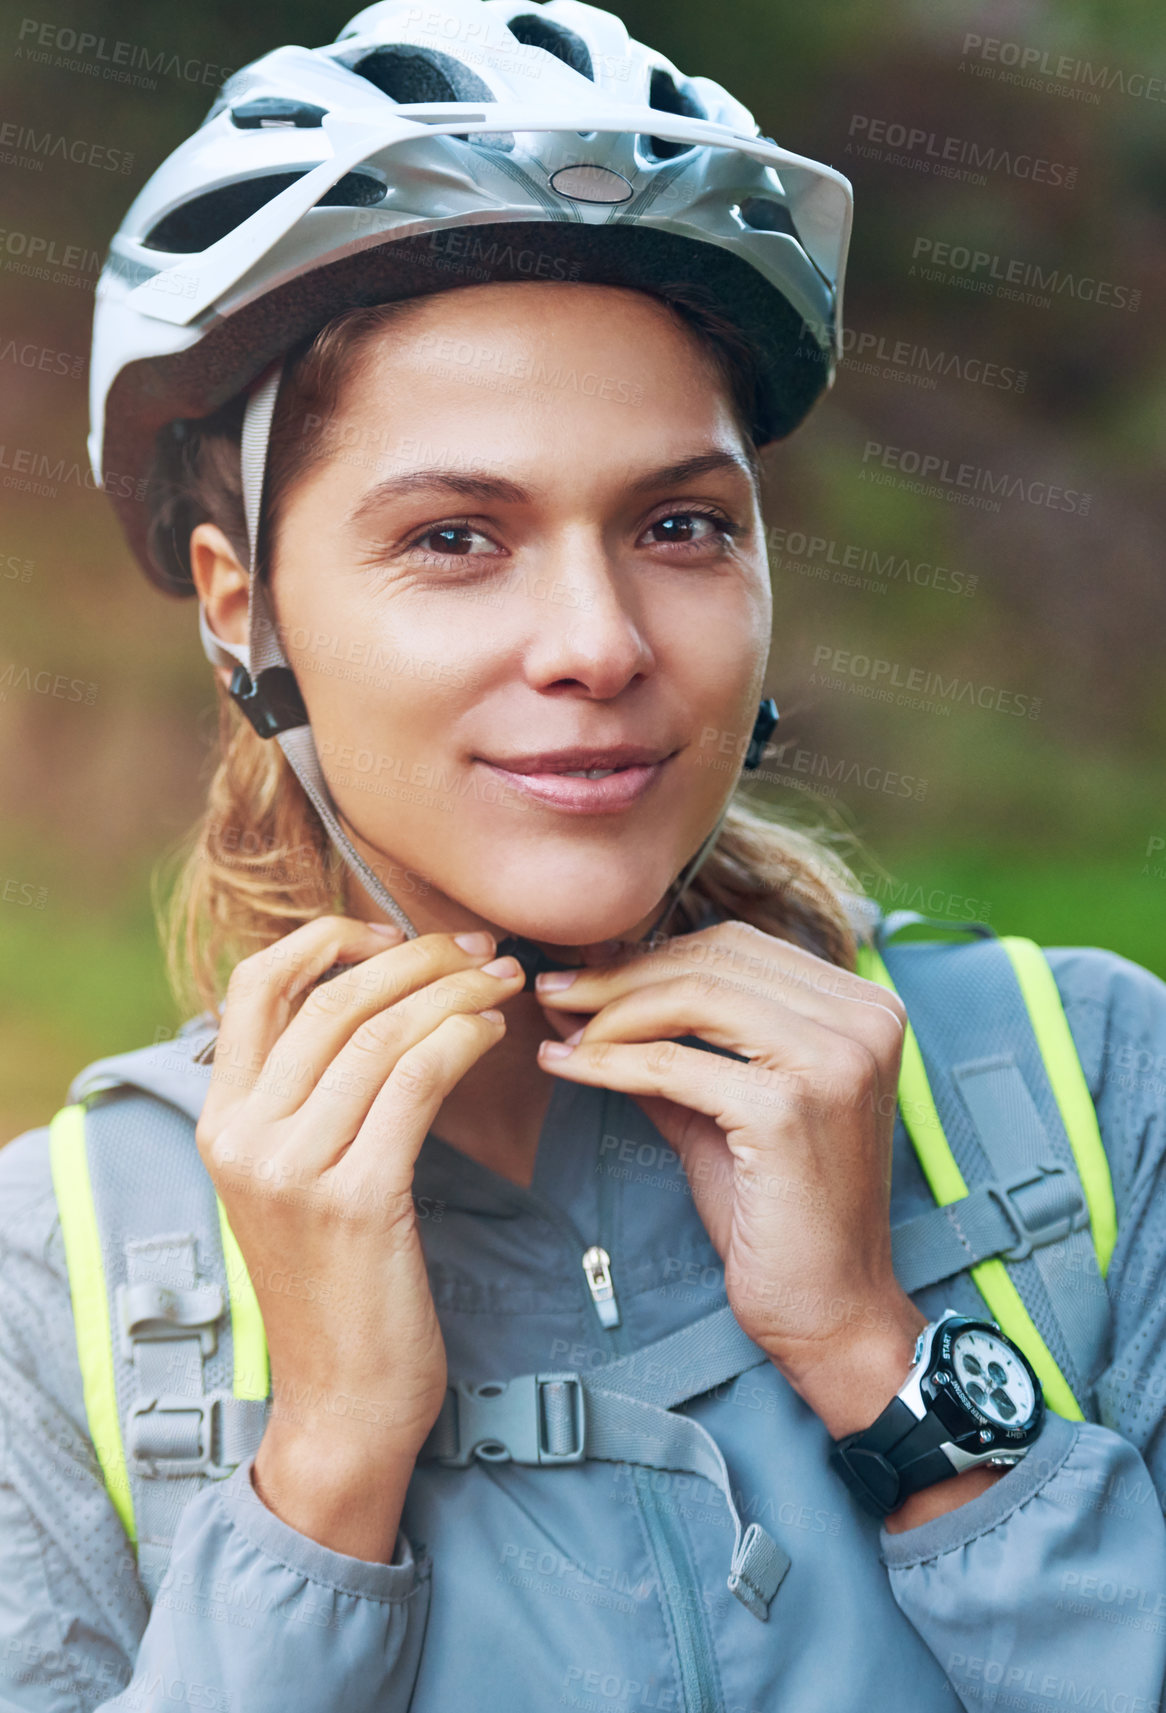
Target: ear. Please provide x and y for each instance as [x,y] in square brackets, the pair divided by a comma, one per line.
[222,586]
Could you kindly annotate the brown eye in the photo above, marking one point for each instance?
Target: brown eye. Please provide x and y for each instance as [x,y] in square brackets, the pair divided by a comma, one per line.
[449,541]
[452,540]
[693,528]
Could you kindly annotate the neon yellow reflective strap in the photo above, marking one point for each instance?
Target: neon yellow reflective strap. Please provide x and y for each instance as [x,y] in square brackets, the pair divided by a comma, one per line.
[1055,1040]
[74,1192]
[915,1100]
[248,1339]
[946,1181]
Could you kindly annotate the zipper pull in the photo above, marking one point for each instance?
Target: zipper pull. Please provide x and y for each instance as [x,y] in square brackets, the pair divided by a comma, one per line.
[597,1266]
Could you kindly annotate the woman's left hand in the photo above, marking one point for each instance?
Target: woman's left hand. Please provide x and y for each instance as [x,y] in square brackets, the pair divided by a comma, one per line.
[788,1155]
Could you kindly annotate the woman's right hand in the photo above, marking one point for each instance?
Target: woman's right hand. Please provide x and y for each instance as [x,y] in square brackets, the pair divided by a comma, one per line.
[315,1115]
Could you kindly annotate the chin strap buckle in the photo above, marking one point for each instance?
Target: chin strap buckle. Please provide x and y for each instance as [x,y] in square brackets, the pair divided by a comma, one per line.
[763,728]
[272,702]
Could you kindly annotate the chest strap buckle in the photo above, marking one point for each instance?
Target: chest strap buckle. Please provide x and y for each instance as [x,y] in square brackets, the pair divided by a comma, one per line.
[535,1418]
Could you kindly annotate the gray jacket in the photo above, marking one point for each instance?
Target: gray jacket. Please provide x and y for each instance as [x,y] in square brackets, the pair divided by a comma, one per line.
[598,1585]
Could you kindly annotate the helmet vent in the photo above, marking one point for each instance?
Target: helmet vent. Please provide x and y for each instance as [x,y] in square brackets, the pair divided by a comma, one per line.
[202,221]
[664,93]
[270,111]
[535,32]
[767,216]
[407,75]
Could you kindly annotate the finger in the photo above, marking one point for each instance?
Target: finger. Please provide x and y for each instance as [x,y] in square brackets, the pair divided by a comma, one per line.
[331,1013]
[734,1093]
[757,1026]
[381,1159]
[340,1102]
[262,992]
[732,955]
[682,1074]
[729,953]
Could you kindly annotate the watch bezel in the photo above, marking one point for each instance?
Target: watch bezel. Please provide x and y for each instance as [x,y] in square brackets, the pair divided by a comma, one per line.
[960,1413]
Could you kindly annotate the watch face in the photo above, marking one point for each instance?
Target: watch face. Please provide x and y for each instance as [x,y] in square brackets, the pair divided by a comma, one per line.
[993,1378]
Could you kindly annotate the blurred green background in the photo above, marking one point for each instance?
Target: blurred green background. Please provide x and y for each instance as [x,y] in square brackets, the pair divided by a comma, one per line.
[1046,820]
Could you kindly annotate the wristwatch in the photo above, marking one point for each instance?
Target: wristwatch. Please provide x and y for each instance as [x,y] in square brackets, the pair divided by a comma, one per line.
[971,1399]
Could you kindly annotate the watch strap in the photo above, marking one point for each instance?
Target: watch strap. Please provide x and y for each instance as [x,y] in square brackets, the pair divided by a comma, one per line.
[898,1455]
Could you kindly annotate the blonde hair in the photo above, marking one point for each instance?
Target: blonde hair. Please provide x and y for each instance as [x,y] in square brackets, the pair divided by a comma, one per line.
[258,861]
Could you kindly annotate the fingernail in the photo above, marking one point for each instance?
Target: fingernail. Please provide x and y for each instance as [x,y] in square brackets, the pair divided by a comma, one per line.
[386,928]
[475,943]
[555,1049]
[571,1040]
[553,981]
[502,967]
[493,1015]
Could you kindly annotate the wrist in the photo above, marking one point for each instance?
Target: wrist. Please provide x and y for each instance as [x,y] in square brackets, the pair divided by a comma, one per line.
[848,1382]
[344,1496]
[965,1383]
[937,1500]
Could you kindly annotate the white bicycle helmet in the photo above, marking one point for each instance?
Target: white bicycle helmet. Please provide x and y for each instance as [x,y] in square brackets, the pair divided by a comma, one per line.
[323,178]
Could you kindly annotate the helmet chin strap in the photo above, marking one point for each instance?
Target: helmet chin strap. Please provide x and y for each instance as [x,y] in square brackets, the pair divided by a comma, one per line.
[263,683]
[264,686]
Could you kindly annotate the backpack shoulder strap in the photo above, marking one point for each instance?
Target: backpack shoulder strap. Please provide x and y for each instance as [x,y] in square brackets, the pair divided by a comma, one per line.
[169,1337]
[1070,1088]
[995,1102]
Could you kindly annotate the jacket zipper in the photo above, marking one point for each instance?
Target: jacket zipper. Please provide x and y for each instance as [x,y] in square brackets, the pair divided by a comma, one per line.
[597,1267]
[679,1585]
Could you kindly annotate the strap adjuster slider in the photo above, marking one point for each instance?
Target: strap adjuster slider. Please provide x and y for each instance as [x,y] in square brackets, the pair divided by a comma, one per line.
[149,1313]
[171,1435]
[1067,1211]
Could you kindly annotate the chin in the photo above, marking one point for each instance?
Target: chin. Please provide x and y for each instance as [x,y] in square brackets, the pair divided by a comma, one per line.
[576,916]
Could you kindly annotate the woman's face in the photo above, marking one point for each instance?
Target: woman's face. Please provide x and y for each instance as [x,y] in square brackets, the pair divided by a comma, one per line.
[534,547]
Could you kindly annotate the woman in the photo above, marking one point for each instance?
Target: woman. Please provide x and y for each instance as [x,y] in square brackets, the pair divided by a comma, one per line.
[505,609]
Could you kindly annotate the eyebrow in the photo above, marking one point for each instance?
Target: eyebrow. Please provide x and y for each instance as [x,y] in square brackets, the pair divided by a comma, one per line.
[485,485]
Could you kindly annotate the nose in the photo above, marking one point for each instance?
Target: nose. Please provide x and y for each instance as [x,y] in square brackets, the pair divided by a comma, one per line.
[587,627]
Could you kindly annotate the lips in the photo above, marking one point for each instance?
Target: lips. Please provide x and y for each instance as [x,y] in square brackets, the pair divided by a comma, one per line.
[622,773]
[582,760]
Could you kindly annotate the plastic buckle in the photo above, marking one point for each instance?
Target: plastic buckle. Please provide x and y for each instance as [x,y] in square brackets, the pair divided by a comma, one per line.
[1031,1236]
[504,1421]
[149,1412]
[271,701]
[159,1330]
[763,729]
